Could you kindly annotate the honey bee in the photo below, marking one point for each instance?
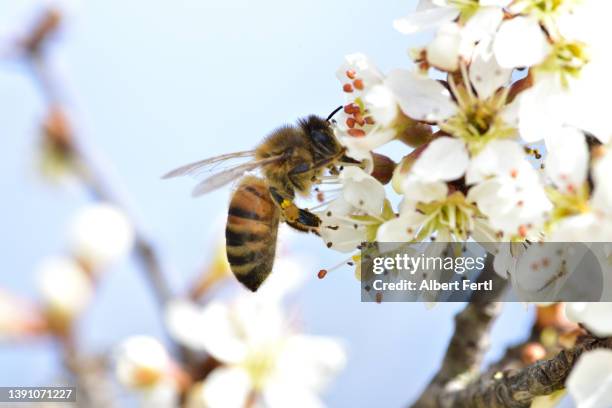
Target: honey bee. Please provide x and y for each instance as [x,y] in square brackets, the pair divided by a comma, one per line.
[291,159]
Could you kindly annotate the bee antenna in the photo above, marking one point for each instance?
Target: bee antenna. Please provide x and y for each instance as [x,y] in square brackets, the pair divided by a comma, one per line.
[331,115]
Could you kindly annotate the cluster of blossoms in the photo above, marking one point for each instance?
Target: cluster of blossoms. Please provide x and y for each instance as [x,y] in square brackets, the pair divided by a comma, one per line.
[509,140]
[505,129]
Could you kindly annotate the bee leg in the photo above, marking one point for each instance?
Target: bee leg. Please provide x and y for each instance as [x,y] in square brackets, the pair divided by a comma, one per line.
[298,218]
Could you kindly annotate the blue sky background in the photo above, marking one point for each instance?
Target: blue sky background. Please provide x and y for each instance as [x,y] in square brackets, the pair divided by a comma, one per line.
[161,83]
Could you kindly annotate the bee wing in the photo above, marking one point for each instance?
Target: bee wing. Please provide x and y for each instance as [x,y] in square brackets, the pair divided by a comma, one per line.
[193,169]
[218,180]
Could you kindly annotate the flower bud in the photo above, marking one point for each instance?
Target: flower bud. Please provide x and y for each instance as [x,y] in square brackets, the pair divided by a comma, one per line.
[19,318]
[403,168]
[56,156]
[410,132]
[443,51]
[552,316]
[532,352]
[383,168]
[66,290]
[141,362]
[100,235]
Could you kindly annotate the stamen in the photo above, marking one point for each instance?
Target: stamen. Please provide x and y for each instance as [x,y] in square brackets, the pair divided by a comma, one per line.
[323,272]
[356,132]
[348,88]
[466,81]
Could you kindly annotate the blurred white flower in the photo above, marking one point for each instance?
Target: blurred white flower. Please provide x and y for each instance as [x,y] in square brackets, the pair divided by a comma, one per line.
[100,234]
[141,362]
[65,287]
[263,361]
[590,381]
[594,315]
[18,317]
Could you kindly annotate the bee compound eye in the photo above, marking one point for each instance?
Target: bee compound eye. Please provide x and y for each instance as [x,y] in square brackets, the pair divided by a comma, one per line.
[323,141]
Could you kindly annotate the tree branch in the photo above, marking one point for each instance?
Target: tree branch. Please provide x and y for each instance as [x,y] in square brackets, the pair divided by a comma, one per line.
[517,389]
[470,339]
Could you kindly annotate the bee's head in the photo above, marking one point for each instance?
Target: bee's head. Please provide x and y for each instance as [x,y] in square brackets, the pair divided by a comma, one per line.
[321,134]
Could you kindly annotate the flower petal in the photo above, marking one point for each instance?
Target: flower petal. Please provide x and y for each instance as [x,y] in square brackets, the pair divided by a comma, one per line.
[567,159]
[486,74]
[362,191]
[443,51]
[401,229]
[520,42]
[222,338]
[595,316]
[420,97]
[425,19]
[590,381]
[499,157]
[226,387]
[445,159]
[310,362]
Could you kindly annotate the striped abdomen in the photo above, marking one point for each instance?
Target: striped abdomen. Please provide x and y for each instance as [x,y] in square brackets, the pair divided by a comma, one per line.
[250,233]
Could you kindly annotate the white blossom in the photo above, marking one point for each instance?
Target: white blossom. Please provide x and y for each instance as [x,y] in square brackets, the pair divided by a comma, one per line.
[261,355]
[143,365]
[65,287]
[570,63]
[100,234]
